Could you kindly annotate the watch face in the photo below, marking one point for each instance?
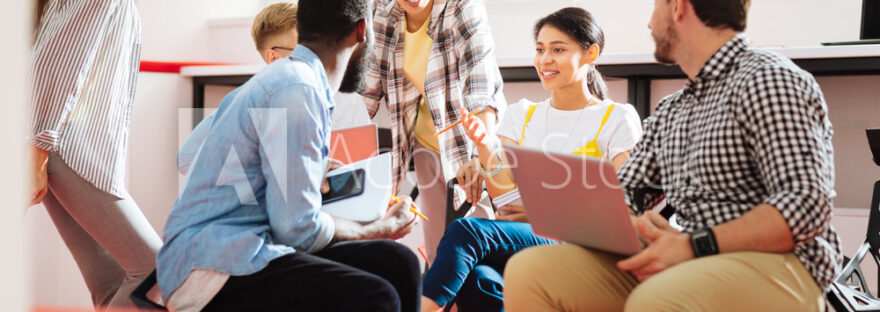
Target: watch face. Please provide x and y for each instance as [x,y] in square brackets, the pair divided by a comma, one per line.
[703,244]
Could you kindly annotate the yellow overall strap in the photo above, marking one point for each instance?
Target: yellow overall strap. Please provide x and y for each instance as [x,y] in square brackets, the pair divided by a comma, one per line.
[592,149]
[604,119]
[528,117]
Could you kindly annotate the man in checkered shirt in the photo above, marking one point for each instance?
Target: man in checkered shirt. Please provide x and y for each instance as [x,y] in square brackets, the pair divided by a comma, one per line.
[744,154]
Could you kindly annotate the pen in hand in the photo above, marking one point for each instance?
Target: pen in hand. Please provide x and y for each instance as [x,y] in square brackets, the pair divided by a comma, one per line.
[471,114]
[411,208]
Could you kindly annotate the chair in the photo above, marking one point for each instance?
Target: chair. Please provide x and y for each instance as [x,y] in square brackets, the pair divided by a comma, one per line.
[139,295]
[451,212]
[849,291]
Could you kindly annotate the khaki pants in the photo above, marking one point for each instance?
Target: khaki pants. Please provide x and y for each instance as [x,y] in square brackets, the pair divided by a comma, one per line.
[573,278]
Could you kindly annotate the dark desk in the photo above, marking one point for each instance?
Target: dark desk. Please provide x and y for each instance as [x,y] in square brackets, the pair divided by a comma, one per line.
[638,69]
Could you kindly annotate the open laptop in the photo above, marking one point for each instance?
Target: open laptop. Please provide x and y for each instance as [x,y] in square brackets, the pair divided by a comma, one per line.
[574,199]
[353,144]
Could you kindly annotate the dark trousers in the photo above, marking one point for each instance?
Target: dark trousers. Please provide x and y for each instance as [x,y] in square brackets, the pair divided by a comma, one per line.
[375,275]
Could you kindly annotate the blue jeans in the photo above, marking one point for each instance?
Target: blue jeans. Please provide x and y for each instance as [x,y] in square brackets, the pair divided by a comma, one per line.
[470,258]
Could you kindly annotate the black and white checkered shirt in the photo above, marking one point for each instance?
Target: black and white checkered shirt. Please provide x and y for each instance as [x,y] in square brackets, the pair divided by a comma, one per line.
[751,128]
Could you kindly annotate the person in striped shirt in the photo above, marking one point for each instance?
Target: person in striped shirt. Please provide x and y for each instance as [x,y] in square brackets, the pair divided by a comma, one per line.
[83,72]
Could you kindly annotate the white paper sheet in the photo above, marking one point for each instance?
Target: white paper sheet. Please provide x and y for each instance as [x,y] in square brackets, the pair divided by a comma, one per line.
[373,202]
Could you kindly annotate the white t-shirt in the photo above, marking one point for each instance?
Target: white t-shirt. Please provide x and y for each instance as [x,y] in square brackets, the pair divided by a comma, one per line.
[562,131]
[349,111]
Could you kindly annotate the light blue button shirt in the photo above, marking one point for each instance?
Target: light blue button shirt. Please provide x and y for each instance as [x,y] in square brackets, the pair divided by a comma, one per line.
[252,194]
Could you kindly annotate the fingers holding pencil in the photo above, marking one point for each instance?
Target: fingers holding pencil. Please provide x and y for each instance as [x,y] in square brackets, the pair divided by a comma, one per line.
[412,208]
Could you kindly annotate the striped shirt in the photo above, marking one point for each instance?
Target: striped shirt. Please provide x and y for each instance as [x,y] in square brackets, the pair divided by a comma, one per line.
[462,72]
[84,69]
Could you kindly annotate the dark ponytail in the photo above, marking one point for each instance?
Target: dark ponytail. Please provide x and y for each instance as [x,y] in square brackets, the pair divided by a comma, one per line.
[583,28]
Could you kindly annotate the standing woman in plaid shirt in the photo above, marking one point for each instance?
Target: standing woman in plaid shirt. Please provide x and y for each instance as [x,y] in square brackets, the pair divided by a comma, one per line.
[83,73]
[432,58]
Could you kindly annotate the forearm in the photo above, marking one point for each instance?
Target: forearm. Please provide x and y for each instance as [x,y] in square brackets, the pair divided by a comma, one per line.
[492,156]
[347,230]
[763,229]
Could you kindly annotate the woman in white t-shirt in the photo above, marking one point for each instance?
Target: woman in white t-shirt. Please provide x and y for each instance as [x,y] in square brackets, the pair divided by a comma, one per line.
[577,118]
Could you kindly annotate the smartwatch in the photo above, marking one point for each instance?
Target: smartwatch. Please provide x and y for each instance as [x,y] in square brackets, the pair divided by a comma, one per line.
[703,242]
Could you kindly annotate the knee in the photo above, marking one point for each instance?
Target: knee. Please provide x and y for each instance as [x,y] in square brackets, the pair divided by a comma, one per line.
[462,226]
[519,272]
[402,256]
[466,231]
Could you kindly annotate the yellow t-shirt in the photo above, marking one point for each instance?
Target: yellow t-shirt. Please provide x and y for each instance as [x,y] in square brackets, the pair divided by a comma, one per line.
[416,49]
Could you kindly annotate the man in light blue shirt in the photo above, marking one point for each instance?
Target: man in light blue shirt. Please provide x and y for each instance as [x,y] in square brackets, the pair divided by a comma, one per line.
[246,232]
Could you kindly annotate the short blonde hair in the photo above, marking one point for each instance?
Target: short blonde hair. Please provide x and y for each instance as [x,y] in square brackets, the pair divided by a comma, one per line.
[271,21]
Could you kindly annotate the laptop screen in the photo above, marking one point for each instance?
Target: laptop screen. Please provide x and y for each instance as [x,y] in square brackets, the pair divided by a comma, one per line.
[870,19]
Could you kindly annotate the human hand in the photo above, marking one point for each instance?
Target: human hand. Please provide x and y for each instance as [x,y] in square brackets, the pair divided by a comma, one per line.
[470,180]
[332,164]
[515,213]
[476,130]
[666,247]
[39,180]
[398,220]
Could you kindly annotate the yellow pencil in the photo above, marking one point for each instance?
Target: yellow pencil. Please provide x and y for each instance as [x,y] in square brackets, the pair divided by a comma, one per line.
[471,114]
[412,208]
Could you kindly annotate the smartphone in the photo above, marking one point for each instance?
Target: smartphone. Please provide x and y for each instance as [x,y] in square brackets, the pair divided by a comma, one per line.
[344,185]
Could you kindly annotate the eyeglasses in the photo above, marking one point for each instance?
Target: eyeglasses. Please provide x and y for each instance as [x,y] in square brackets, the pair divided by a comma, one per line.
[282,48]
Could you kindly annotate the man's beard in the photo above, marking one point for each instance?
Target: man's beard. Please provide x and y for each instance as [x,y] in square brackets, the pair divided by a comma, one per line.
[353,78]
[663,45]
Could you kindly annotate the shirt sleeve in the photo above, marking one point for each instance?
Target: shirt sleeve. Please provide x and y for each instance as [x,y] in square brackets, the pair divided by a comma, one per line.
[482,85]
[512,122]
[374,85]
[65,49]
[626,132]
[640,177]
[293,166]
[193,143]
[786,123]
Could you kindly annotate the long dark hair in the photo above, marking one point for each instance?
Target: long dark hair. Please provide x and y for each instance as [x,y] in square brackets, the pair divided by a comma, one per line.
[580,25]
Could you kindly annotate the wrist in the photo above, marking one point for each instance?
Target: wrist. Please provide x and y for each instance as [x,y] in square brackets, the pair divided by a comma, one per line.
[703,242]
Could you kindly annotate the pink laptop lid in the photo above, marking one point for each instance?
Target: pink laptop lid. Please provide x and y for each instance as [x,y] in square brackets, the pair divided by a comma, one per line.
[573,198]
[353,144]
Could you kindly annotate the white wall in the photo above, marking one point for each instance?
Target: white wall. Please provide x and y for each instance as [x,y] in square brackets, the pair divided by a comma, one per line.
[15,20]
[804,22]
[180,31]
[183,31]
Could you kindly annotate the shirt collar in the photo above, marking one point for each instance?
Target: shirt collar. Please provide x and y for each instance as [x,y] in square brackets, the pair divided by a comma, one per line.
[303,54]
[721,60]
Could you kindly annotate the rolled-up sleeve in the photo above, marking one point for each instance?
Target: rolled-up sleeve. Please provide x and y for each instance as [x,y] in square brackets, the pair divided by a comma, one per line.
[786,122]
[294,154]
[482,79]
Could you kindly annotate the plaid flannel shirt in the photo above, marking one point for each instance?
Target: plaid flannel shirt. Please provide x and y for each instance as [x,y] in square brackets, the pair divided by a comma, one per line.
[462,72]
[751,128]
